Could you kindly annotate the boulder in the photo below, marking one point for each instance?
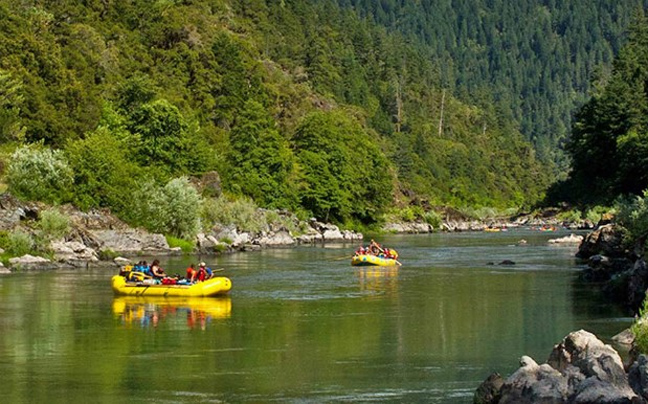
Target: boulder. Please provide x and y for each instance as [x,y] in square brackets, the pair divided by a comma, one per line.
[72,251]
[489,392]
[533,383]
[279,238]
[310,237]
[130,241]
[606,240]
[408,227]
[580,369]
[231,235]
[638,376]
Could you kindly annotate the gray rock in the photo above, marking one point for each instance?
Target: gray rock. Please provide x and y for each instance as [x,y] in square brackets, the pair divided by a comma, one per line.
[280,238]
[534,384]
[130,241]
[638,376]
[28,259]
[489,392]
[606,240]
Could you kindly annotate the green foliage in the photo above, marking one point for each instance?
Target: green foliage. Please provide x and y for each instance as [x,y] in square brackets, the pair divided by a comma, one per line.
[346,174]
[173,209]
[260,163]
[11,100]
[104,176]
[609,145]
[241,212]
[37,173]
[300,105]
[187,246]
[106,254]
[572,215]
[53,225]
[20,243]
[640,329]
[433,219]
[633,215]
[168,143]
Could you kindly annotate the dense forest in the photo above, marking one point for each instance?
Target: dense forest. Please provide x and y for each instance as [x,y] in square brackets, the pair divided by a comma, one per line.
[534,59]
[299,105]
[609,142]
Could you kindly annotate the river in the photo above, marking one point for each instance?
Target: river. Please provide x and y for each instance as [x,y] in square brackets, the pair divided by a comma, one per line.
[302,326]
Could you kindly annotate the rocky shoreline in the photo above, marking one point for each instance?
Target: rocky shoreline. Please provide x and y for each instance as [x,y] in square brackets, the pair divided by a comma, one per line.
[96,238]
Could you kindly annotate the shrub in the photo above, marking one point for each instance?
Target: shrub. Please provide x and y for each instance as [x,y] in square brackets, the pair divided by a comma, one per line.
[433,219]
[20,243]
[107,254]
[633,215]
[241,212]
[173,209]
[104,176]
[41,174]
[53,225]
[640,329]
[186,246]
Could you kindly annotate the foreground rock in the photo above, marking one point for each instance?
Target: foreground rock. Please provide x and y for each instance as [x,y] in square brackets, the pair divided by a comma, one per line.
[580,369]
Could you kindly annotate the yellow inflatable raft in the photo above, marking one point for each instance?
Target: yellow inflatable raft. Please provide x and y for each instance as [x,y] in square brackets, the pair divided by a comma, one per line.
[211,287]
[362,260]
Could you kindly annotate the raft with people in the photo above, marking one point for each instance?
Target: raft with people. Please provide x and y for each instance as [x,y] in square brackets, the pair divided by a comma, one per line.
[138,281]
[375,255]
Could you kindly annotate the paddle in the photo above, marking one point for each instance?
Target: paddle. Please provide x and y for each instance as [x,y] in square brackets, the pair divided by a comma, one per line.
[346,257]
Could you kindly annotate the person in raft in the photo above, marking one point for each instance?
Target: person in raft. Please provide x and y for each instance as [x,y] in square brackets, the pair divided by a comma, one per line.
[156,270]
[192,273]
[204,272]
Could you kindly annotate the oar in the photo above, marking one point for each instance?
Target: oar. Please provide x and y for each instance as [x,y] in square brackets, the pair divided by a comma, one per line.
[346,257]
[218,270]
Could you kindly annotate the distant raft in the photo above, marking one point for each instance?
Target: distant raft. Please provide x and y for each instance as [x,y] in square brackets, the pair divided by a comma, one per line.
[362,260]
[212,287]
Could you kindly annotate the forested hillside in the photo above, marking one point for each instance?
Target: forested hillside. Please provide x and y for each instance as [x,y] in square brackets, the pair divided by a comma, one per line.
[298,105]
[534,59]
[609,143]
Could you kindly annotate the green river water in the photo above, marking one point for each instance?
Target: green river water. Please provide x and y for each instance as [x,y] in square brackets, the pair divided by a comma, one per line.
[302,326]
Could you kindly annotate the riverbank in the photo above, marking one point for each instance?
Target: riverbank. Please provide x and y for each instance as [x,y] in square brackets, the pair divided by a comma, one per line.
[98,238]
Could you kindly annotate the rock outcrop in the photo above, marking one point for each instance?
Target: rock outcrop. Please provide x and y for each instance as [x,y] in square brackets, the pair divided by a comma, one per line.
[580,369]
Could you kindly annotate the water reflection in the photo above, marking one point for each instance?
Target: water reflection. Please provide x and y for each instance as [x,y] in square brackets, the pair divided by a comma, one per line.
[378,279]
[177,313]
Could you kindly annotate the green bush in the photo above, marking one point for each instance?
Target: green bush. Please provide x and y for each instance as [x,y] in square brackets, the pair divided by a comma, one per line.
[640,329]
[173,209]
[41,174]
[107,254]
[241,212]
[433,219]
[53,225]
[633,215]
[20,243]
[104,176]
[186,246]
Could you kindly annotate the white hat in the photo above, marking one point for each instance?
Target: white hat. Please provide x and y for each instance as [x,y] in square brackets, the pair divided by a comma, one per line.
[202,264]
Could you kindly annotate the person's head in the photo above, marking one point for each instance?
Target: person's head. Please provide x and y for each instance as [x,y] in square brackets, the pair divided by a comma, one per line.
[156,262]
[202,264]
[191,265]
